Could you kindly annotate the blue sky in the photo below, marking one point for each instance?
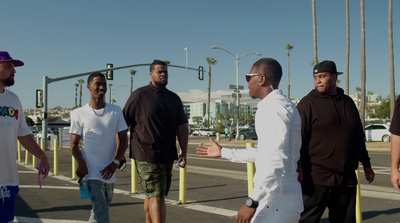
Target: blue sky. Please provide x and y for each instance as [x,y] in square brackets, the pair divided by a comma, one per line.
[57,38]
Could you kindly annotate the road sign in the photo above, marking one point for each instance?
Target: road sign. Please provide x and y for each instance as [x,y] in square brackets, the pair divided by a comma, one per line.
[234,87]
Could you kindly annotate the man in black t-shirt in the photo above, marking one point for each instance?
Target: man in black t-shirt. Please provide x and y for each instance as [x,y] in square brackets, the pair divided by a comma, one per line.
[156,116]
[395,146]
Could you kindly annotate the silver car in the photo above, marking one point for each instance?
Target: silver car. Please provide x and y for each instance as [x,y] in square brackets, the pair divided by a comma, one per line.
[377,132]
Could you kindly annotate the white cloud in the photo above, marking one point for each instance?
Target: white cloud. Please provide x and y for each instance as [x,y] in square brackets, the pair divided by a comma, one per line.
[195,95]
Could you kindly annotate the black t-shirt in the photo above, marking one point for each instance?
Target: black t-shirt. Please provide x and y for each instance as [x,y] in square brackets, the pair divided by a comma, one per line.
[153,115]
[395,123]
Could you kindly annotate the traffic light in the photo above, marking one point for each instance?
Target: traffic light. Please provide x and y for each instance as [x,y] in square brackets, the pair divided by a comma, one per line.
[201,73]
[39,98]
[110,73]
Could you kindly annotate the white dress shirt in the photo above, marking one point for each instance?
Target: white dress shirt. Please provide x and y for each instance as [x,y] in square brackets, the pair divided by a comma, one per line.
[278,127]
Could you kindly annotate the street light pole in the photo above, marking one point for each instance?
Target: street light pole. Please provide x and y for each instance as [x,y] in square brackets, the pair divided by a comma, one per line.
[236,59]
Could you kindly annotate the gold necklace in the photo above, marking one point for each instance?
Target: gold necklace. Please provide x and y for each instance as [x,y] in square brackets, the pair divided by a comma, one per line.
[94,111]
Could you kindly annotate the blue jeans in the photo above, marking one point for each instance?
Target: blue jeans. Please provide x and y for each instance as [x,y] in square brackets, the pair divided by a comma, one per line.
[100,195]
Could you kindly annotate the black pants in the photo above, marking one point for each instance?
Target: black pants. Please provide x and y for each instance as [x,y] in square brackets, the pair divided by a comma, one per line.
[341,202]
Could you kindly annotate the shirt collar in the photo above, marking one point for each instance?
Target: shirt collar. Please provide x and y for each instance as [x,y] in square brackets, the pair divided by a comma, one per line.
[155,89]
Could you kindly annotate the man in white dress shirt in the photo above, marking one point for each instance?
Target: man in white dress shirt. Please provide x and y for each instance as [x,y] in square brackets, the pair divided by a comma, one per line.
[276,196]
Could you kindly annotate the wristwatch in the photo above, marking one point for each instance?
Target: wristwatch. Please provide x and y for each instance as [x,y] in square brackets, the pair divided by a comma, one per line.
[251,203]
[116,162]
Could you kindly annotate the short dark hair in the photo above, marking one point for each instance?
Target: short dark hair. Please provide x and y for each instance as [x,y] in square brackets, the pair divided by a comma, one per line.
[271,69]
[157,62]
[93,75]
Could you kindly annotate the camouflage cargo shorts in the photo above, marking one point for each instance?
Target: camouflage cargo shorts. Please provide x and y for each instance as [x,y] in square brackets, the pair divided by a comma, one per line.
[155,178]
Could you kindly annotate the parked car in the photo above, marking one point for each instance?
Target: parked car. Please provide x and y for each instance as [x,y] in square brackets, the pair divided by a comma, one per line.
[34,132]
[248,133]
[203,132]
[49,135]
[377,132]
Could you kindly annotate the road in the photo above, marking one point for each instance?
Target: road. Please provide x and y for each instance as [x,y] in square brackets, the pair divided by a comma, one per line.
[216,189]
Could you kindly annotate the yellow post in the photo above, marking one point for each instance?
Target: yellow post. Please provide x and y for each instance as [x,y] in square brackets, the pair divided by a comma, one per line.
[42,144]
[26,157]
[250,172]
[358,199]
[250,175]
[133,177]
[33,161]
[55,159]
[182,185]
[19,152]
[74,168]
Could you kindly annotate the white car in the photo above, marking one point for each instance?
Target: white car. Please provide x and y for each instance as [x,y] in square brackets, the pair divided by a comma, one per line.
[49,135]
[203,132]
[377,132]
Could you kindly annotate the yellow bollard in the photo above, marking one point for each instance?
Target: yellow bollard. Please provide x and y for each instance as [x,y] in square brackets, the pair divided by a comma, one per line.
[74,168]
[33,161]
[19,152]
[250,175]
[39,141]
[182,185]
[250,172]
[26,157]
[358,199]
[55,159]
[42,144]
[133,177]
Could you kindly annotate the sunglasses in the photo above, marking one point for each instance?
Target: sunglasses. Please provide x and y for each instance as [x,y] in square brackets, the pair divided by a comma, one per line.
[248,77]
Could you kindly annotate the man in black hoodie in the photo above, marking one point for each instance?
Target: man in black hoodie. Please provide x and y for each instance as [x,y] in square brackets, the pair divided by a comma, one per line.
[332,146]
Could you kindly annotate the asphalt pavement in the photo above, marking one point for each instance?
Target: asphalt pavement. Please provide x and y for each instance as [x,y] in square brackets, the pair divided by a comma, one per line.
[211,196]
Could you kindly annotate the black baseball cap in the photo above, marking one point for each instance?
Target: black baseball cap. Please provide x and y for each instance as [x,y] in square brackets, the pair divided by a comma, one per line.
[326,66]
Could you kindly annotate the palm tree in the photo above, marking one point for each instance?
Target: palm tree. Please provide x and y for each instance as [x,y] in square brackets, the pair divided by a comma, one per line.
[132,72]
[210,61]
[347,46]
[314,31]
[391,60]
[227,117]
[358,90]
[194,119]
[363,71]
[80,81]
[220,116]
[368,104]
[288,47]
[76,95]
[248,118]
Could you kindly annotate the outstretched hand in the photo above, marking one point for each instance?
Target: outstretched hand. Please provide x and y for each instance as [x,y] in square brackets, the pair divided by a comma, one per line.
[210,151]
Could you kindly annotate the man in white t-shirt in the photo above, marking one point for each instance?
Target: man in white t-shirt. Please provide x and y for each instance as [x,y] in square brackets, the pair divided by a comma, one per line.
[103,130]
[13,127]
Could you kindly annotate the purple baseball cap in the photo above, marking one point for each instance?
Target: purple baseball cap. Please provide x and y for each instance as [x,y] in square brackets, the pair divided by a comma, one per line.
[5,57]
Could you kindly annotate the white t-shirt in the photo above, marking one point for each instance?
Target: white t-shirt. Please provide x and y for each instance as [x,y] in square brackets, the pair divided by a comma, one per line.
[12,125]
[98,132]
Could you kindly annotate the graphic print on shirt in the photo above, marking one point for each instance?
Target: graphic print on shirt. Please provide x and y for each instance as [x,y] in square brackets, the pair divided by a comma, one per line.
[9,111]
[5,193]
